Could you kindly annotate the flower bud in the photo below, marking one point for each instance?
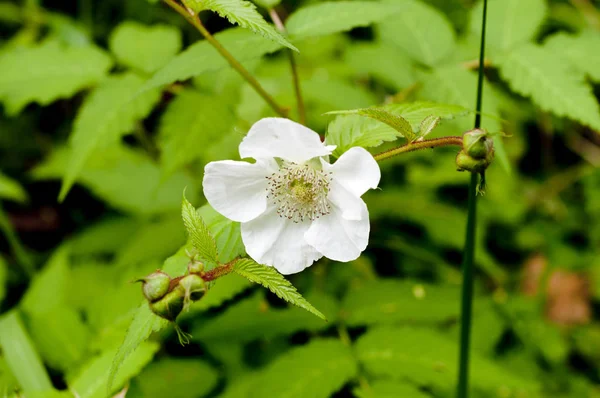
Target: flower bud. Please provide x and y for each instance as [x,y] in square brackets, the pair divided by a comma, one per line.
[194,288]
[155,285]
[171,305]
[468,163]
[478,144]
[195,267]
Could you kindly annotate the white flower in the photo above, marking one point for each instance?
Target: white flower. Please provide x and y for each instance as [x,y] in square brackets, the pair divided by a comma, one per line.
[294,207]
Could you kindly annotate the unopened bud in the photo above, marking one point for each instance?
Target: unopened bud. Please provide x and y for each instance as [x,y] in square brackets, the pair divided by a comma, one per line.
[194,288]
[478,144]
[195,267]
[464,162]
[155,285]
[171,305]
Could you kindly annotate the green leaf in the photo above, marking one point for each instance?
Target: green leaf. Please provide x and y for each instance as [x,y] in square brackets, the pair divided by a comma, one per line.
[146,48]
[417,113]
[92,379]
[200,236]
[227,234]
[427,358]
[21,356]
[580,50]
[267,4]
[3,278]
[535,72]
[48,72]
[315,370]
[511,22]
[396,122]
[389,301]
[184,375]
[192,127]
[60,336]
[390,389]
[428,124]
[275,282]
[420,31]
[225,289]
[242,13]
[352,130]
[125,178]
[253,318]
[333,17]
[202,57]
[11,189]
[107,114]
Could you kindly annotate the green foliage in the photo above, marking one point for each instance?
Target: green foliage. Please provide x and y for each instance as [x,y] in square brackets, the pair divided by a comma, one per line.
[243,13]
[511,22]
[201,238]
[202,58]
[189,132]
[108,113]
[410,30]
[21,356]
[423,356]
[11,189]
[390,389]
[533,71]
[48,72]
[398,123]
[333,17]
[275,282]
[145,48]
[579,50]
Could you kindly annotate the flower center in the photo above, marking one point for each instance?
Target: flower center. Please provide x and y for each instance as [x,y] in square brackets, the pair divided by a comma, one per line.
[299,192]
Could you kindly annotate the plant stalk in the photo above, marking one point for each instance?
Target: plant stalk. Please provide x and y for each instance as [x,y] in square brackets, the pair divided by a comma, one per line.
[415,146]
[469,252]
[296,80]
[194,20]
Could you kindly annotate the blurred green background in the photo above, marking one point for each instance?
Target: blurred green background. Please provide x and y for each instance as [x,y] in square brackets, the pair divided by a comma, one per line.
[68,70]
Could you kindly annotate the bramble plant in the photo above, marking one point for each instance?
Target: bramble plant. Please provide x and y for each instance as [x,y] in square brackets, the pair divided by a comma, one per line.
[327,145]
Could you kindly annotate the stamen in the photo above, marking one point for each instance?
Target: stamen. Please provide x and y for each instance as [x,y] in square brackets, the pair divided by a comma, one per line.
[299,192]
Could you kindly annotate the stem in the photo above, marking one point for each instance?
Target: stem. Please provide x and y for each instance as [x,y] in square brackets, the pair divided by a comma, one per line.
[469,252]
[193,19]
[415,146]
[297,89]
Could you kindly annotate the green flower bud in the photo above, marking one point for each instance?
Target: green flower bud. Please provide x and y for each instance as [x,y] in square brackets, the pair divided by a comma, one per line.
[478,144]
[194,288]
[171,305]
[195,267]
[155,285]
[468,163]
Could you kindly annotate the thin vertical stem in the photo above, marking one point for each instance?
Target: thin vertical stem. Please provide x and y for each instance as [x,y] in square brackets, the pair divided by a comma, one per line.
[469,252]
[296,80]
[193,19]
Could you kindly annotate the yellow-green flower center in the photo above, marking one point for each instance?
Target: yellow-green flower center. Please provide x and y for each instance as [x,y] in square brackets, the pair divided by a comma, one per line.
[299,192]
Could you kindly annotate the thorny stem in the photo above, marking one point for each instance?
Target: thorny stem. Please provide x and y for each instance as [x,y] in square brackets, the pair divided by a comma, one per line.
[469,252]
[297,89]
[415,146]
[193,19]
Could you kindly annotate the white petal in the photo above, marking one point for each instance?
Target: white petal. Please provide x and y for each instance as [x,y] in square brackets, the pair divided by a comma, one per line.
[282,138]
[279,242]
[356,169]
[238,190]
[338,238]
[351,205]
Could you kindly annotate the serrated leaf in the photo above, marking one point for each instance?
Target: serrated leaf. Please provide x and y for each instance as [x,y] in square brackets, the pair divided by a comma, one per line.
[417,112]
[201,57]
[333,17]
[535,72]
[242,13]
[146,48]
[352,130]
[510,22]
[392,301]
[11,189]
[192,126]
[125,178]
[202,240]
[48,72]
[411,31]
[107,114]
[580,50]
[92,379]
[428,124]
[382,115]
[321,368]
[226,232]
[427,358]
[253,318]
[184,375]
[275,282]
[21,356]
